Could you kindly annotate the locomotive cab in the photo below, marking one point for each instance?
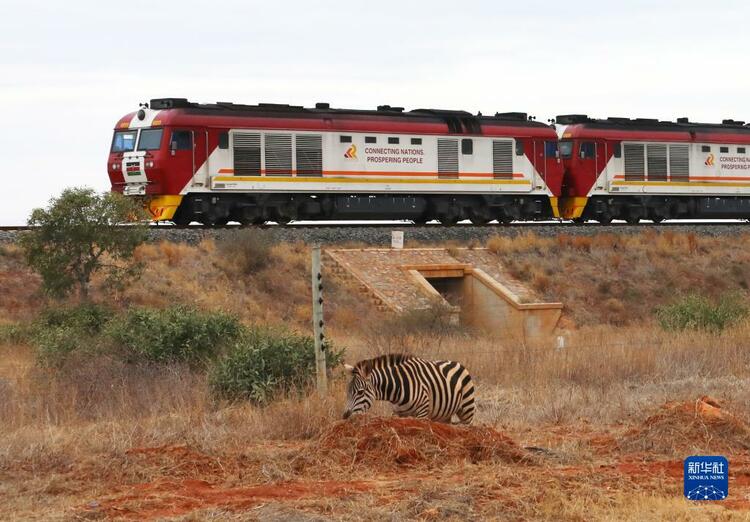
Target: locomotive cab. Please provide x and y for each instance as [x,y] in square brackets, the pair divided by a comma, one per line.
[133,153]
[151,159]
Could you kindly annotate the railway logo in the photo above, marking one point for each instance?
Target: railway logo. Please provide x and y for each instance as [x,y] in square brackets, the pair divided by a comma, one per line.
[710,160]
[351,152]
[706,478]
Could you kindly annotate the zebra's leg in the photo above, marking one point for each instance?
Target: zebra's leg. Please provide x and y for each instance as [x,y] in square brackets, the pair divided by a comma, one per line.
[423,407]
[465,411]
[465,416]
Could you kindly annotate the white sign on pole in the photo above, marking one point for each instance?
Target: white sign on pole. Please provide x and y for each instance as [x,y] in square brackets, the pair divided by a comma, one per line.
[397,239]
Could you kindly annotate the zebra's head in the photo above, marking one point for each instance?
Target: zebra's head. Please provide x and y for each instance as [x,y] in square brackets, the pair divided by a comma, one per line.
[360,393]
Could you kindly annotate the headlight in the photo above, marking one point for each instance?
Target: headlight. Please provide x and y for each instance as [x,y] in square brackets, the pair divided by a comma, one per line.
[115,166]
[149,164]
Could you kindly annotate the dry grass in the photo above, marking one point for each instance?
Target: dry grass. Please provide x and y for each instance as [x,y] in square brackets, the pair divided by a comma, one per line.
[638,272]
[274,291]
[601,279]
[611,409]
[74,435]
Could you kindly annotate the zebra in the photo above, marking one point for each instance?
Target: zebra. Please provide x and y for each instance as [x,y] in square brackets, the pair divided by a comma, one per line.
[433,390]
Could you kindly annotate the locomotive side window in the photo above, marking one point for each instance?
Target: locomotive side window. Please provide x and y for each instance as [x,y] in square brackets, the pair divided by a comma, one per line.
[588,150]
[223,140]
[345,139]
[566,149]
[723,150]
[617,150]
[519,148]
[550,149]
[123,141]
[371,139]
[181,140]
[393,141]
[416,141]
[467,146]
[740,150]
[705,148]
[150,139]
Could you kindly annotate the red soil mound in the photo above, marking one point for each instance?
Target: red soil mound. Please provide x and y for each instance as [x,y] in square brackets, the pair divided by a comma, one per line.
[177,461]
[170,498]
[680,427]
[386,443]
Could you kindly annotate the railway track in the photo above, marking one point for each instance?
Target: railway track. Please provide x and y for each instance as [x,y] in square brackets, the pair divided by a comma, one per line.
[436,226]
[379,234]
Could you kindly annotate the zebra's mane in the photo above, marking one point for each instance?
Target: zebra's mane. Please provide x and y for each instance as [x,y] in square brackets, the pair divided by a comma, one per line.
[388,359]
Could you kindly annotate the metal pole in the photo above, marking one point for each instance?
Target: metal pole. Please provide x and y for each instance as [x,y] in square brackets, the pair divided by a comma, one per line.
[317,316]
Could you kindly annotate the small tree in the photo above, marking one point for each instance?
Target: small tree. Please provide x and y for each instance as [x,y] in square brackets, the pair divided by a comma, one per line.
[78,235]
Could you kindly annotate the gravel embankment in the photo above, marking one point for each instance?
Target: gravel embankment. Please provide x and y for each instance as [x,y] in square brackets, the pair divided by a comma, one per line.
[380,235]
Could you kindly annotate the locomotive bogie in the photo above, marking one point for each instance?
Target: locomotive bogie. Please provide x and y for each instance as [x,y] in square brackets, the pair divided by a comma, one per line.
[218,209]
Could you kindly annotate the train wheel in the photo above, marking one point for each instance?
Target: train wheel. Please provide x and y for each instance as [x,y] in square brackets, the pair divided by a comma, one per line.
[211,219]
[632,220]
[504,219]
[480,217]
[448,219]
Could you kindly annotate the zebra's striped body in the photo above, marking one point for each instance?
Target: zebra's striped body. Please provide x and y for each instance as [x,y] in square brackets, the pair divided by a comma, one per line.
[434,390]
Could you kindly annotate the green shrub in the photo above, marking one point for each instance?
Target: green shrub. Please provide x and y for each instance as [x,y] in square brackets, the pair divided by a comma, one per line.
[699,313]
[56,343]
[266,363]
[177,334]
[58,332]
[88,318]
[15,333]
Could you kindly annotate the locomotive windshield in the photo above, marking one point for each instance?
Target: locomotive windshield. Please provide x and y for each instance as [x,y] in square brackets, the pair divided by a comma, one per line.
[124,141]
[566,149]
[150,139]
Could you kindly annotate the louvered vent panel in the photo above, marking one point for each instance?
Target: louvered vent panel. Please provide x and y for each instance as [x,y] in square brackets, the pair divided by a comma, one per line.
[278,154]
[246,154]
[679,162]
[635,167]
[502,159]
[447,158]
[657,162]
[309,155]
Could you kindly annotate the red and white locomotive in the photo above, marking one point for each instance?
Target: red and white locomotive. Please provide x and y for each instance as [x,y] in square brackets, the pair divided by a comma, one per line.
[221,162]
[636,169]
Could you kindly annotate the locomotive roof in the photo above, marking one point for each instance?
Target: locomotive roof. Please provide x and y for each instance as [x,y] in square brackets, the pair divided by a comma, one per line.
[651,124]
[459,122]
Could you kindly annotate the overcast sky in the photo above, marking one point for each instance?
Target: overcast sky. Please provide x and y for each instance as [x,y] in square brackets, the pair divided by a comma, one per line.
[70,70]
